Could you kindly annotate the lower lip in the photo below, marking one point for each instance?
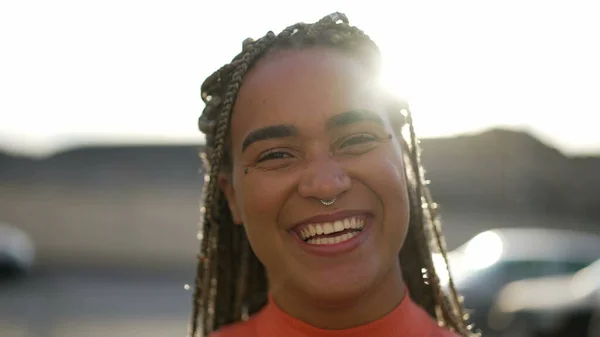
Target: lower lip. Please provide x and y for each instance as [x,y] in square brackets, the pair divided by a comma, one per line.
[338,248]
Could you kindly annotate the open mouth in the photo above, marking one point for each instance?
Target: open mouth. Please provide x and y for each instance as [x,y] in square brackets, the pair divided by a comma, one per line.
[329,233]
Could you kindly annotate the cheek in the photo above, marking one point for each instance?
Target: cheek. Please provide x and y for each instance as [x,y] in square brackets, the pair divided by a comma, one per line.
[261,199]
[256,205]
[395,184]
[386,176]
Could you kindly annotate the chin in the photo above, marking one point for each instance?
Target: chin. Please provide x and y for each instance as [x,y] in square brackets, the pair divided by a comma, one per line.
[339,286]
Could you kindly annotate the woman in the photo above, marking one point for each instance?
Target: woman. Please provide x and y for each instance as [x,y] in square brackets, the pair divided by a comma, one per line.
[317,220]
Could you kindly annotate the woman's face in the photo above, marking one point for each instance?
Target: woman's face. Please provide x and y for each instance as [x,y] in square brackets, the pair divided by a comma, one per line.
[311,125]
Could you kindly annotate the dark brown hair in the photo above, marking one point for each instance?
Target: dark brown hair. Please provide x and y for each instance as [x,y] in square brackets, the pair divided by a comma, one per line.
[231,282]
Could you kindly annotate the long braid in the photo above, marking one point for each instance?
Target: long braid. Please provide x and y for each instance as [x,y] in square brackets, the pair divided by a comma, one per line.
[231,282]
[449,310]
[223,279]
[216,312]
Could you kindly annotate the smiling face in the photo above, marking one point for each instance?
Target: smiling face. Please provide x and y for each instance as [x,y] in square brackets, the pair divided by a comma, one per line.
[311,125]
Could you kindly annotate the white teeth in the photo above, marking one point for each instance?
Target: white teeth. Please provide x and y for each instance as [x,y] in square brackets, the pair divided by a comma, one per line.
[319,229]
[332,240]
[309,232]
[338,226]
[312,230]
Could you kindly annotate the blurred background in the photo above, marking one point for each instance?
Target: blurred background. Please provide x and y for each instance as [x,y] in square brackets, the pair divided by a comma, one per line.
[100,181]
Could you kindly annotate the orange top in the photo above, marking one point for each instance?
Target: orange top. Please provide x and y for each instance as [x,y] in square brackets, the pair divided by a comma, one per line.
[408,319]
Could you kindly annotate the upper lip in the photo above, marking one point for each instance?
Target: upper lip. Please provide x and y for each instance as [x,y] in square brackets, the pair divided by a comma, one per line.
[330,217]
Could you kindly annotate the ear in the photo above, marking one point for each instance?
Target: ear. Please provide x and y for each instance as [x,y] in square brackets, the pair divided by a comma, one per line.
[226,185]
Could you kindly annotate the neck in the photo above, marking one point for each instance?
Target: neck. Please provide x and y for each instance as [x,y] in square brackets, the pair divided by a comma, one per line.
[374,304]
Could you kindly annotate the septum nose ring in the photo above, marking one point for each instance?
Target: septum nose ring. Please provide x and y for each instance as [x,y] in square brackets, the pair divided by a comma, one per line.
[328,202]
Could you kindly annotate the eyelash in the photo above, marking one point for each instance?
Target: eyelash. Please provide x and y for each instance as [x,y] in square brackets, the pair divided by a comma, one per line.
[349,141]
[363,137]
[273,154]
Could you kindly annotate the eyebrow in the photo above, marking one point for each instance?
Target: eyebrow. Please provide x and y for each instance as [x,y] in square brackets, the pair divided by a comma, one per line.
[284,131]
[269,132]
[351,117]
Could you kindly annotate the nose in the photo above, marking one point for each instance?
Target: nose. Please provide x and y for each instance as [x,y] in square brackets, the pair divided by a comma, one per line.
[324,180]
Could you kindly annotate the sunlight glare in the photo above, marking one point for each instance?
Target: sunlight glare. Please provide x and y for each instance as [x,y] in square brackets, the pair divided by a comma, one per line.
[483,250]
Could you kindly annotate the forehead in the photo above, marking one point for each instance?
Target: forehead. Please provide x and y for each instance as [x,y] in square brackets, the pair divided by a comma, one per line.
[291,85]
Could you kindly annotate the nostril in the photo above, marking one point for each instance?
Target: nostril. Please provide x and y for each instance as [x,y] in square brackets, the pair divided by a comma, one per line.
[323,180]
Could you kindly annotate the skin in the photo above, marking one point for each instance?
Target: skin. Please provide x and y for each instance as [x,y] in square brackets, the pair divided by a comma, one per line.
[360,163]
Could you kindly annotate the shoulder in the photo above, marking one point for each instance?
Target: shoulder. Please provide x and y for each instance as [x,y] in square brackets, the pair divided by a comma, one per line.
[426,325]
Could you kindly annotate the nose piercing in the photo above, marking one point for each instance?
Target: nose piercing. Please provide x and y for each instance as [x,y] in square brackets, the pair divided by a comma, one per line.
[328,202]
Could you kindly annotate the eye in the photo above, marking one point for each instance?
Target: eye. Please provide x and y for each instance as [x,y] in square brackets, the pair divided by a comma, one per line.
[272,155]
[357,140]
[357,144]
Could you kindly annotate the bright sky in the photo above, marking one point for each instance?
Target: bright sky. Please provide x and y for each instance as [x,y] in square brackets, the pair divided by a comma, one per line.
[75,72]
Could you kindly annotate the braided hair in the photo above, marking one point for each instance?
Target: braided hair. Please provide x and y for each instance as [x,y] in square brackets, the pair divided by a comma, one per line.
[231,282]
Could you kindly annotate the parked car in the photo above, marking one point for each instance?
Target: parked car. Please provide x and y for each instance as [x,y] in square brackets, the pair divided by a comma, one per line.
[565,305]
[16,251]
[485,264]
